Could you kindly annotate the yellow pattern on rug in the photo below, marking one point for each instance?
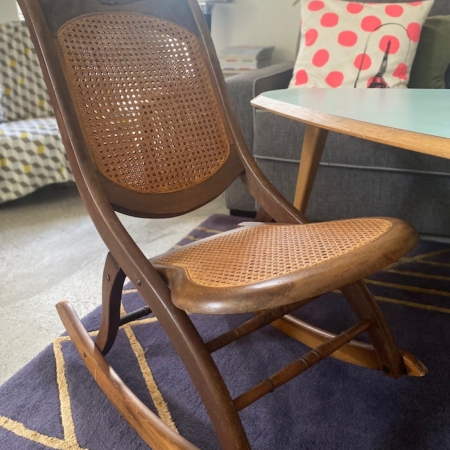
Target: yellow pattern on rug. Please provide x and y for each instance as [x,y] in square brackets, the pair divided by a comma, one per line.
[70,441]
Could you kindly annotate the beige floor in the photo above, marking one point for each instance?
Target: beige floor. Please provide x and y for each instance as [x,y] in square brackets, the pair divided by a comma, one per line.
[50,251]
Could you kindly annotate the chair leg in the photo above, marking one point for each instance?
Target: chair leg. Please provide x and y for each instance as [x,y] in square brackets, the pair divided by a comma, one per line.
[382,354]
[366,307]
[188,344]
[355,352]
[263,216]
[199,364]
[149,426]
[113,279]
[205,376]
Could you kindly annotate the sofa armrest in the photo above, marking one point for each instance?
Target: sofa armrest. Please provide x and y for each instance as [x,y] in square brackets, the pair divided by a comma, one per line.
[273,77]
[244,87]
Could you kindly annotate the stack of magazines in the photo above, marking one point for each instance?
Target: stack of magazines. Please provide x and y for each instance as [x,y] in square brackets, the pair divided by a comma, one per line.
[242,58]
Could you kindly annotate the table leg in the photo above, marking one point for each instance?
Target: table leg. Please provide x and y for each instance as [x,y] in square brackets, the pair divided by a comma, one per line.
[313,145]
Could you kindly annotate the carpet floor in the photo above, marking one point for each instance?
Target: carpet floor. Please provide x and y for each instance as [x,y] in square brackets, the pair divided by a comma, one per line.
[53,403]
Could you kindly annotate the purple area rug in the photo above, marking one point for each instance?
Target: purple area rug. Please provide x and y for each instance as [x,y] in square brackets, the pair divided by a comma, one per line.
[53,403]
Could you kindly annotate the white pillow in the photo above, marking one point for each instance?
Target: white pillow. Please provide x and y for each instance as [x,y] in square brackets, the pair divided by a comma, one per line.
[358,45]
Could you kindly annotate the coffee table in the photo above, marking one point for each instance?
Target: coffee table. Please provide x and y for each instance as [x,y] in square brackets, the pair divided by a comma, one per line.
[412,119]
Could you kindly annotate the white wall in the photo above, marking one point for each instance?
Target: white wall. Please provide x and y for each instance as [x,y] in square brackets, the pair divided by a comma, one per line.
[258,22]
[243,22]
[8,11]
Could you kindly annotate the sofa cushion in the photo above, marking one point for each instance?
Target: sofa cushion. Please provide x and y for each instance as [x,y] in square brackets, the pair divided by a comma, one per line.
[351,44]
[31,156]
[24,91]
[433,55]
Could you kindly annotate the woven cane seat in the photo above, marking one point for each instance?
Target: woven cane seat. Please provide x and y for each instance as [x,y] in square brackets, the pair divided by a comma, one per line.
[245,263]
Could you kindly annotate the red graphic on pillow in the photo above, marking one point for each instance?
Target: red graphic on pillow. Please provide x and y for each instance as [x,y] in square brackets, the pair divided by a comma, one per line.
[347,38]
[401,71]
[370,23]
[391,43]
[344,42]
[335,79]
[311,37]
[394,10]
[301,77]
[363,61]
[316,5]
[329,20]
[321,57]
[355,8]
[414,30]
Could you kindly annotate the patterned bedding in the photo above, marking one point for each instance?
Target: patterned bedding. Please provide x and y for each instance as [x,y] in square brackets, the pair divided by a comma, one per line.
[31,156]
[31,151]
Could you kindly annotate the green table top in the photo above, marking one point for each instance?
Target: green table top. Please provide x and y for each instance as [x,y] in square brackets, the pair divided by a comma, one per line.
[425,111]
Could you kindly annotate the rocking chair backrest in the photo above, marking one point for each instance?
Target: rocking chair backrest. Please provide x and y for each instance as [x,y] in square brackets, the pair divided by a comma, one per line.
[139,100]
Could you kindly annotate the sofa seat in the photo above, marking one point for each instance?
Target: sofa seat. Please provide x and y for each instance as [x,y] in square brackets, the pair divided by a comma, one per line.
[31,156]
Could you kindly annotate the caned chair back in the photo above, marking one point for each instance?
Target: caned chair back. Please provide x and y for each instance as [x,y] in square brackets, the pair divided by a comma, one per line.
[146,99]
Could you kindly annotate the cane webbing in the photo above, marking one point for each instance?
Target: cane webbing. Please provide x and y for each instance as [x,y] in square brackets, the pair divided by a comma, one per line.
[250,255]
[148,108]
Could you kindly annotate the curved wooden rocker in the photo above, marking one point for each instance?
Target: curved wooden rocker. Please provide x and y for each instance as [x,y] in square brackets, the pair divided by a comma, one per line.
[149,131]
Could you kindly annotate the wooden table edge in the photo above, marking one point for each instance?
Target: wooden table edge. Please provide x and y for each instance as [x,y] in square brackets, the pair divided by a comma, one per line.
[408,140]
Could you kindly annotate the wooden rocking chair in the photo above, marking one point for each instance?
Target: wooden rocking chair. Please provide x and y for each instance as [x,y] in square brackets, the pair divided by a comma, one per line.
[149,131]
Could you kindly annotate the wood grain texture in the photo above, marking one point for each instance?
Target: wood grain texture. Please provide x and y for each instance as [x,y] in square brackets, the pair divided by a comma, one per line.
[336,257]
[313,145]
[355,352]
[408,140]
[149,426]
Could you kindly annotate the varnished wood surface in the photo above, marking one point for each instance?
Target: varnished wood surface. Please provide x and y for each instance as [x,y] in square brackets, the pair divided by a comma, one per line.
[390,135]
[297,367]
[45,18]
[149,426]
[313,145]
[193,296]
[355,352]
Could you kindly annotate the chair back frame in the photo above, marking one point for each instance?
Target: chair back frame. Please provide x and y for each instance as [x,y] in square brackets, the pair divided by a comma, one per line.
[103,197]
[186,15]
[44,19]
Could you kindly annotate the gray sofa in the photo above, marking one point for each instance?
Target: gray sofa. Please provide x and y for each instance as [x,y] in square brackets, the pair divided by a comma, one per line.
[356,177]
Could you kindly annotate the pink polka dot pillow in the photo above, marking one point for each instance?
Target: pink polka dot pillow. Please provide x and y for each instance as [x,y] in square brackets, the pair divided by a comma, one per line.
[358,45]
